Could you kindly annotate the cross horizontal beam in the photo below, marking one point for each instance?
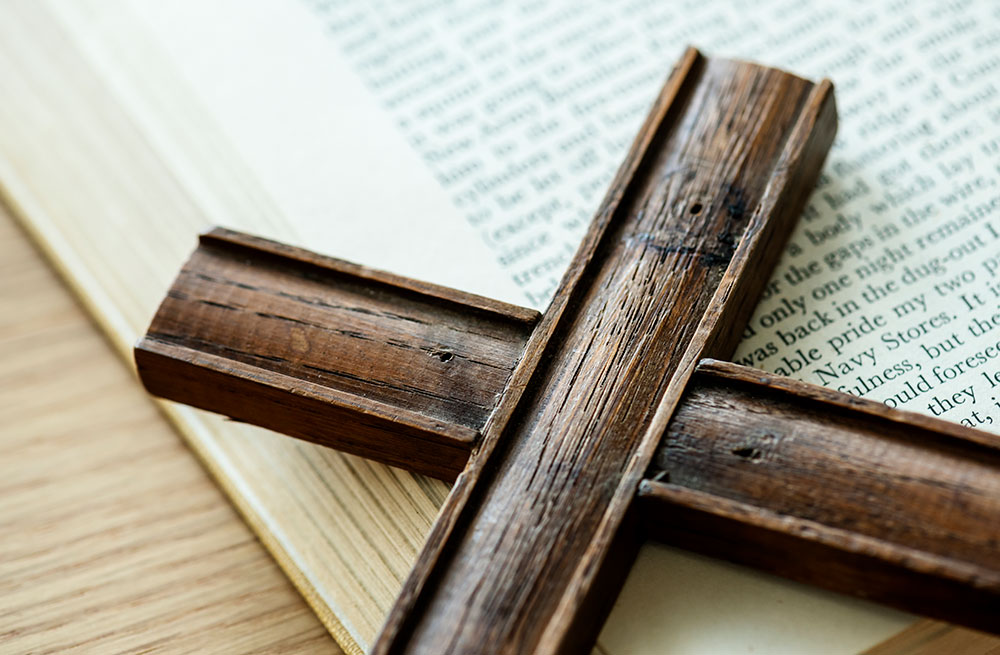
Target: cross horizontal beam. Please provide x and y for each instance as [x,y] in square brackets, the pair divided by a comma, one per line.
[377,365]
[831,490]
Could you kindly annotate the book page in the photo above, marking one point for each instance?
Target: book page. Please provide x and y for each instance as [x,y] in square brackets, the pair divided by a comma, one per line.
[503,123]
[328,158]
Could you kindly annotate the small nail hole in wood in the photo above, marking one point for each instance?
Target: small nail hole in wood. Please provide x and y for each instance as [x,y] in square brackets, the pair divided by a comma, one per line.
[748,452]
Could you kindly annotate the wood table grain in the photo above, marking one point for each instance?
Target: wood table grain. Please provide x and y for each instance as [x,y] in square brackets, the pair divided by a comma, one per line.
[112,537]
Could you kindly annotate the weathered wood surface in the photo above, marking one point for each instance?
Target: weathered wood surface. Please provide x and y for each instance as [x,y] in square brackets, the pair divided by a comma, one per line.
[527,553]
[832,490]
[535,537]
[373,364]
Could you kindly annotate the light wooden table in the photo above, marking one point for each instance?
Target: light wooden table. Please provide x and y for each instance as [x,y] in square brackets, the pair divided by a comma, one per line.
[112,536]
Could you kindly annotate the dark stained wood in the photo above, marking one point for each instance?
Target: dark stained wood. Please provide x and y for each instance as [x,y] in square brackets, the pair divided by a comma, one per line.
[516,562]
[367,362]
[832,490]
[562,423]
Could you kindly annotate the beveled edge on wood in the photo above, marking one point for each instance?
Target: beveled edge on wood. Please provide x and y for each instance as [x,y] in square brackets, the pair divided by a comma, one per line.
[409,439]
[805,149]
[179,366]
[742,433]
[463,300]
[836,399]
[454,507]
[796,548]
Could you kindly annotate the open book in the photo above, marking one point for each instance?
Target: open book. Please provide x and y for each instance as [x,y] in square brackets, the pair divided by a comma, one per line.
[467,144]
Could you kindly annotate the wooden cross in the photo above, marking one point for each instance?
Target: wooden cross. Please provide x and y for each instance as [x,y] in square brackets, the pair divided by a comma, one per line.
[573,435]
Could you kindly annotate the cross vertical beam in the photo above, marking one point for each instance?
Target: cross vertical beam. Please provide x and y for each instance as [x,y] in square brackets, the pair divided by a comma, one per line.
[519,559]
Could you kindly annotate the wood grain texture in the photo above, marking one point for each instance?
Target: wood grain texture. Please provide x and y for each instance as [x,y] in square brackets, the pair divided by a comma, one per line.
[367,362]
[526,554]
[113,538]
[838,492]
